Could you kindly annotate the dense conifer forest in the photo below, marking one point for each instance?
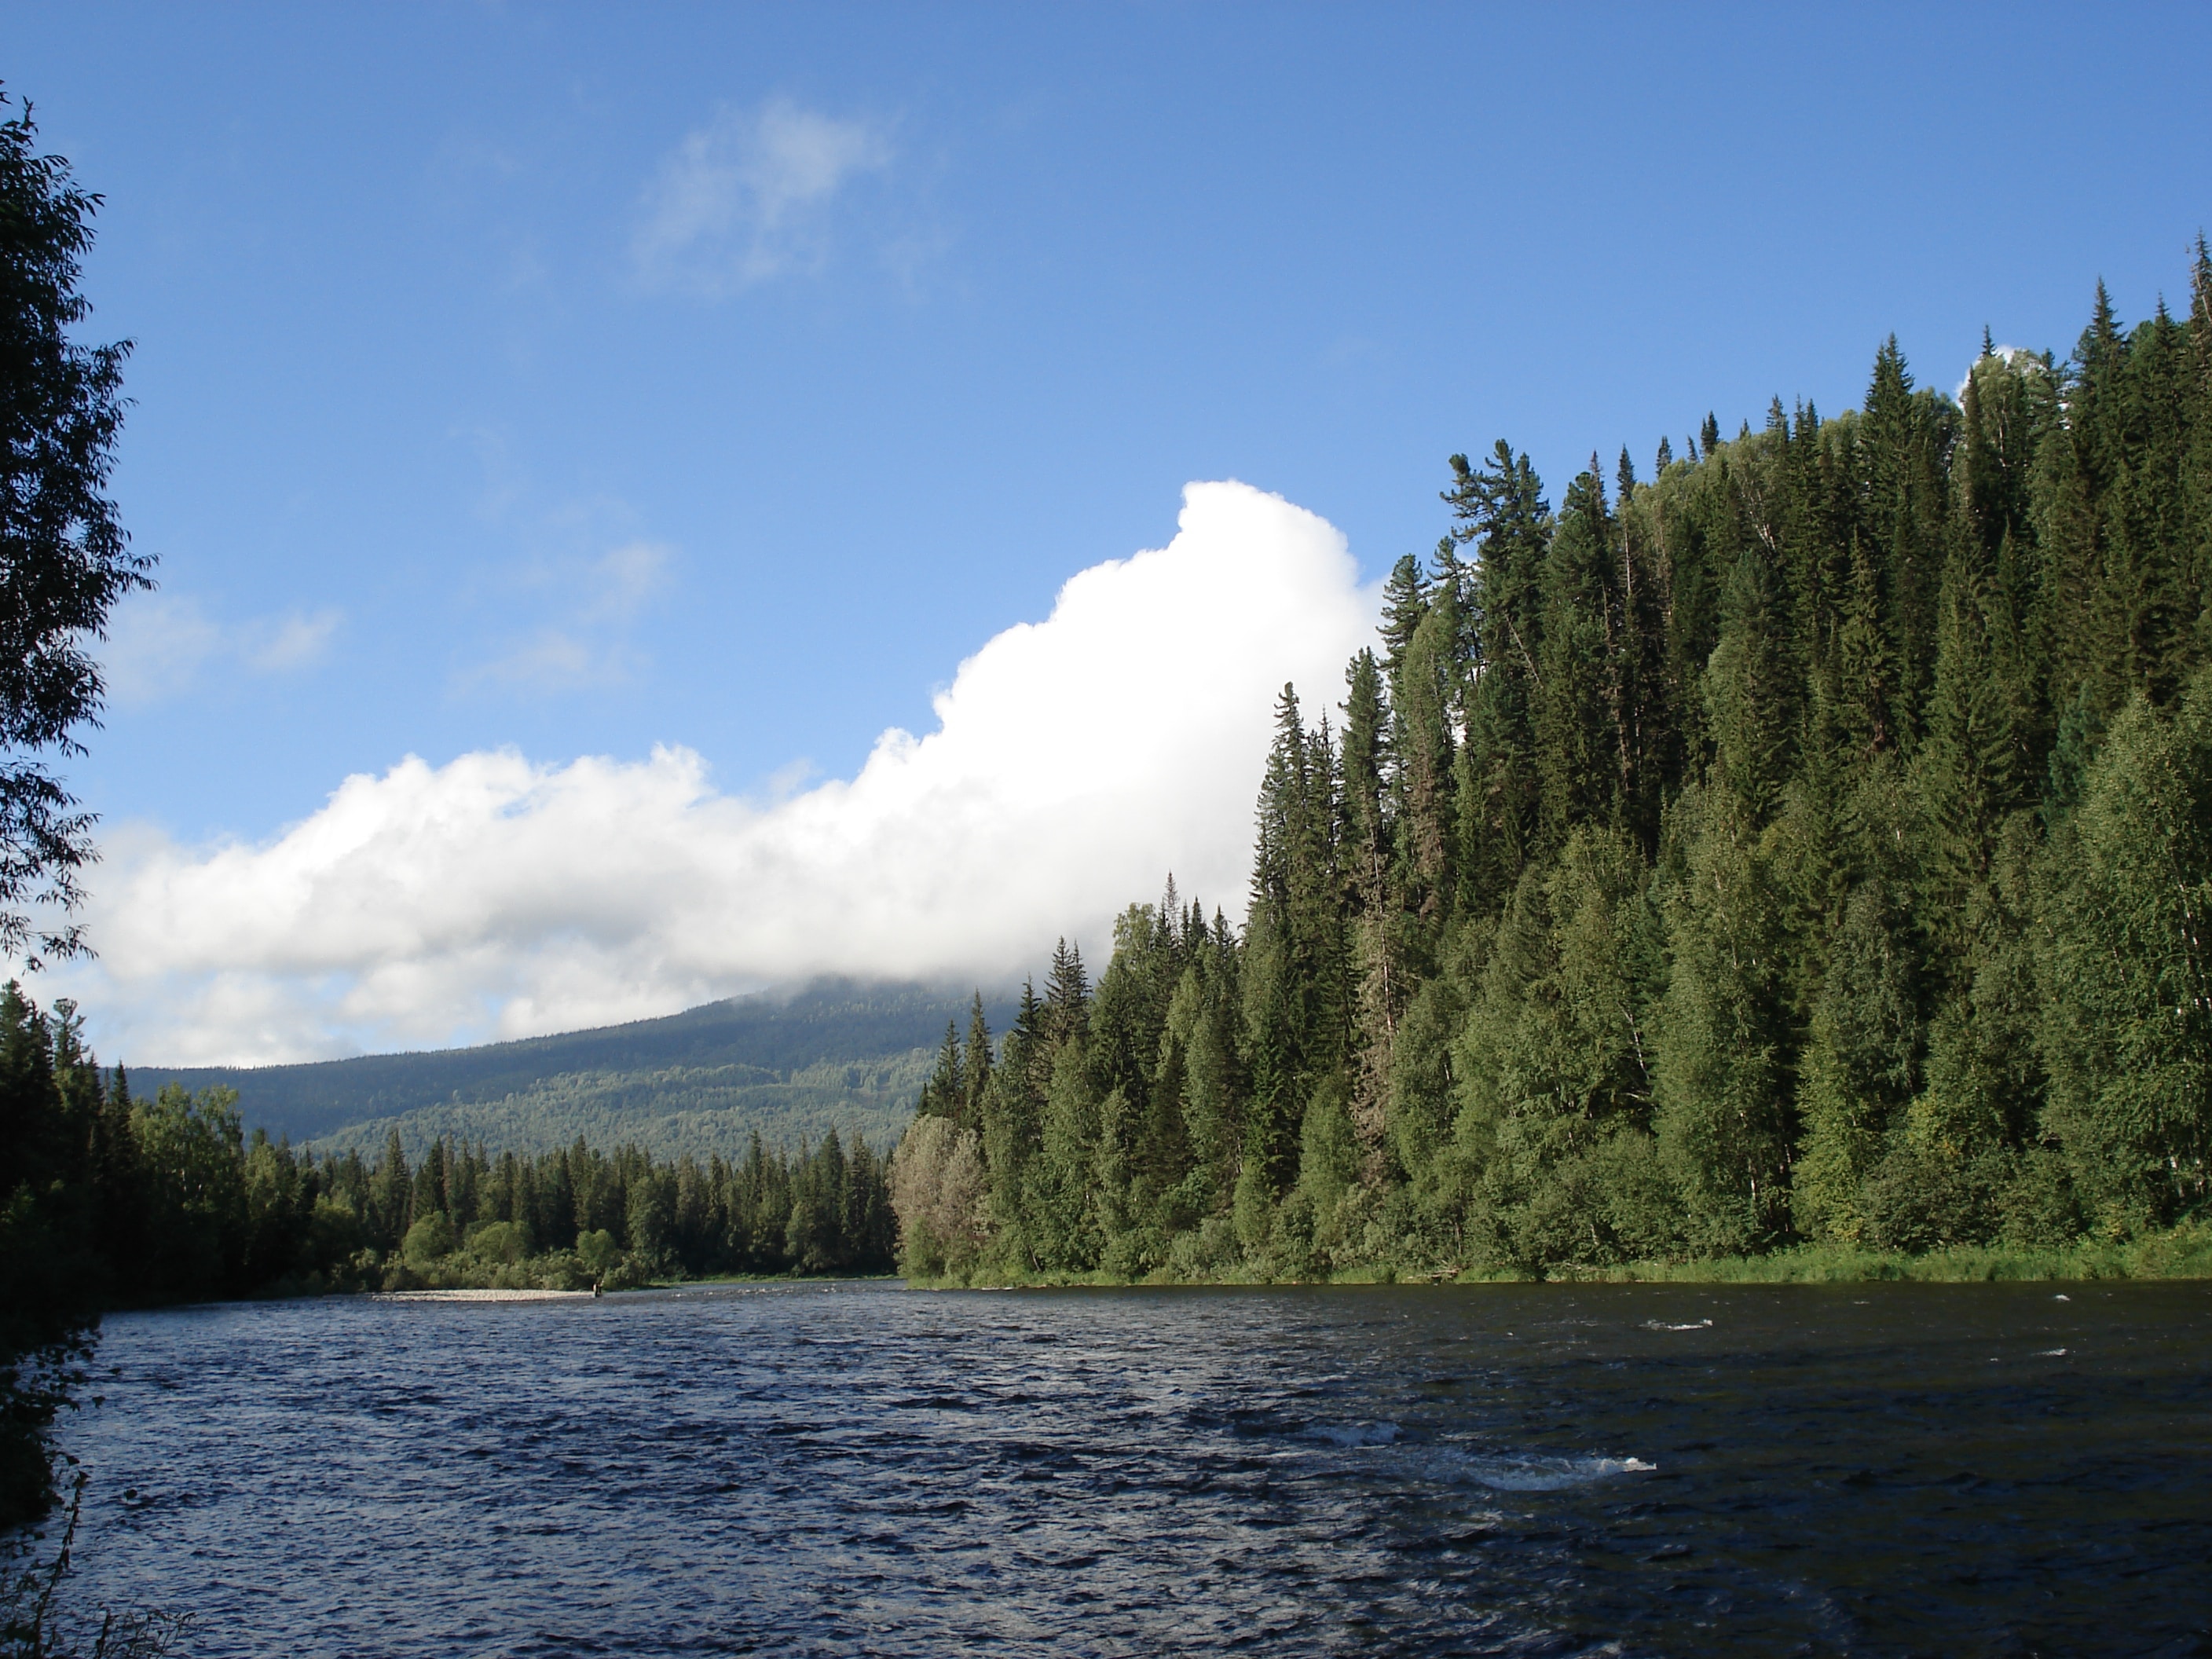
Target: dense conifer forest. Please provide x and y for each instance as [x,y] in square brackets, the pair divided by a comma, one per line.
[1807,840]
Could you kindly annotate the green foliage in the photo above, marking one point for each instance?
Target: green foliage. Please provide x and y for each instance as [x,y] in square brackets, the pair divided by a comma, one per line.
[431,1238]
[65,559]
[937,1189]
[698,1112]
[57,1139]
[1558,1050]
[597,1250]
[1726,1119]
[2129,1009]
[1802,857]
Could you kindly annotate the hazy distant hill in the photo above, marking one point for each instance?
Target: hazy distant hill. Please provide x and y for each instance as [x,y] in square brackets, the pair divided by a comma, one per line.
[841,1053]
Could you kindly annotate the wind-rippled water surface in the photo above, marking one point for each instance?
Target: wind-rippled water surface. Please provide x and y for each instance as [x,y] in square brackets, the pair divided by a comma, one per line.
[1515,1469]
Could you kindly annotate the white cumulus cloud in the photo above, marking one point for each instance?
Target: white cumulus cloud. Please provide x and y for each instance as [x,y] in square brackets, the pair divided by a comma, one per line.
[743,199]
[1076,762]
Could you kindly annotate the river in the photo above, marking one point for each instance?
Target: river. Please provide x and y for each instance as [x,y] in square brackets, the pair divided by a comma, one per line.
[1510,1469]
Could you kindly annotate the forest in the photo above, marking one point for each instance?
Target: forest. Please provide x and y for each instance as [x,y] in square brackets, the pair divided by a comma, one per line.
[1807,845]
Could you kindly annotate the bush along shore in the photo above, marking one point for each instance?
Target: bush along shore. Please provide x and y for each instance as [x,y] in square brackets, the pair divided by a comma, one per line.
[1790,862]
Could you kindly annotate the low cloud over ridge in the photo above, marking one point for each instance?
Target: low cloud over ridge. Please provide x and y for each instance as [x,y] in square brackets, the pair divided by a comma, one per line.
[1076,762]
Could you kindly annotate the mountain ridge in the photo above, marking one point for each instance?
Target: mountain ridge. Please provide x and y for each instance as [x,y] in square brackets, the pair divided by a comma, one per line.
[839,1052]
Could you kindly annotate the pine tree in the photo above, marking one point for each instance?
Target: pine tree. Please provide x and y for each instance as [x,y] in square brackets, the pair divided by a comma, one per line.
[1067,1013]
[1751,704]
[392,1194]
[1405,602]
[1894,472]
[1377,946]
[1862,1064]
[1060,1222]
[1557,1051]
[1422,703]
[2196,467]
[1501,511]
[1578,743]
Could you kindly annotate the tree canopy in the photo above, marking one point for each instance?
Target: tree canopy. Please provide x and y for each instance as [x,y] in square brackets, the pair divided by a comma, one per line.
[64,558]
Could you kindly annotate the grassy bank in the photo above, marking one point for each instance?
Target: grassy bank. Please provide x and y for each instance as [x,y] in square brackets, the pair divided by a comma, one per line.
[2183,1252]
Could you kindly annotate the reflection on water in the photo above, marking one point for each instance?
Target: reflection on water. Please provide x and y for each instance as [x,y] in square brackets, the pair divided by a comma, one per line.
[1517,1470]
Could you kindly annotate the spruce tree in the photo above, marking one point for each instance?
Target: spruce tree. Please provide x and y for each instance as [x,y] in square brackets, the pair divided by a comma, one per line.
[945,1093]
[1579,746]
[975,1066]
[1376,945]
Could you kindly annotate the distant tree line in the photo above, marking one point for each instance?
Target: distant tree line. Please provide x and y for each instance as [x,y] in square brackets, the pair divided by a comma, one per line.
[625,1218]
[1810,843]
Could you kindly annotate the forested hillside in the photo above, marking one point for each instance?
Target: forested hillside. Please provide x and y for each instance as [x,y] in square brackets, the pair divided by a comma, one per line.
[839,1054]
[1807,840]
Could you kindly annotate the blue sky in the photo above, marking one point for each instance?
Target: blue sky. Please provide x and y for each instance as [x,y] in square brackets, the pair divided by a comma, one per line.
[574,380]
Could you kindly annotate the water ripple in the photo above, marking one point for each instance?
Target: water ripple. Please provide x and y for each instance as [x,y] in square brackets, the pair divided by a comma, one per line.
[1527,1471]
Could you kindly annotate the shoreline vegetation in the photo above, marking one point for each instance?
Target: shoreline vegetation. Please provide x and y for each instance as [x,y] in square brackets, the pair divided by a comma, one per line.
[2182,1252]
[1788,864]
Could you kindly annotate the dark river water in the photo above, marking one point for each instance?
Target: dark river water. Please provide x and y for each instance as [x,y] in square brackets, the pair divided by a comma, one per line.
[1510,1469]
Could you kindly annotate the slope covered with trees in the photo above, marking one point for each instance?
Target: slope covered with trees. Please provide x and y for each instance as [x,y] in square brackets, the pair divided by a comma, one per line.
[1809,842]
[838,1054]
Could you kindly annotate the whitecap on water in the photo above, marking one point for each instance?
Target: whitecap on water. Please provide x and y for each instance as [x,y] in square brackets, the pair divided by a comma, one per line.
[1540,1473]
[1660,1325]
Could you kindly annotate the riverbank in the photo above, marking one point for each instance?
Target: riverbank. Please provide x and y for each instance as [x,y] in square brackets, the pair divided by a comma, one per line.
[2185,1252]
[2182,1252]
